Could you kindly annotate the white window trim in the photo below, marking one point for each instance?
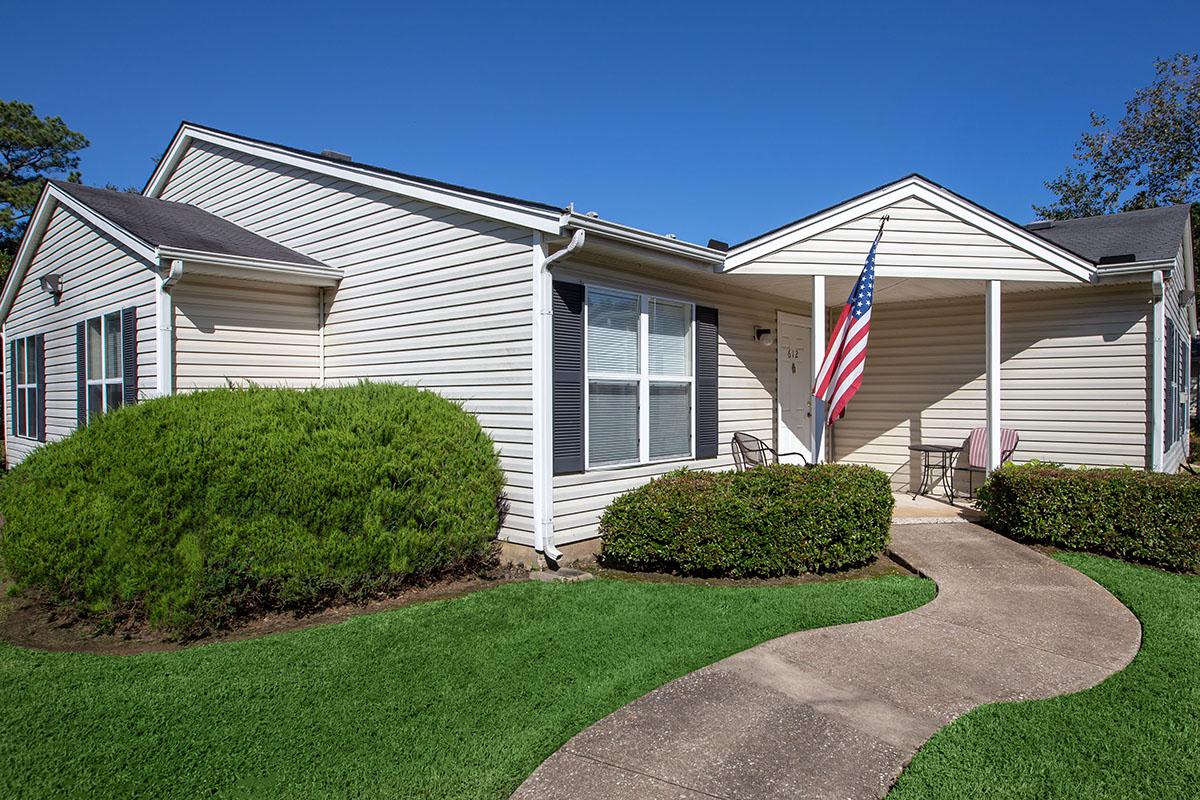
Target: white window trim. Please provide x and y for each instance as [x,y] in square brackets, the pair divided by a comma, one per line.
[643,378]
[102,381]
[27,355]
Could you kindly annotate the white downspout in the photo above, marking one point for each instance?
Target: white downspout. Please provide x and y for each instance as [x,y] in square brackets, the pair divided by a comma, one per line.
[164,327]
[321,336]
[543,388]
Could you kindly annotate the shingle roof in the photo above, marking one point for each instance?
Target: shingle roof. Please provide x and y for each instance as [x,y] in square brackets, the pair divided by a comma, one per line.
[1152,234]
[163,223]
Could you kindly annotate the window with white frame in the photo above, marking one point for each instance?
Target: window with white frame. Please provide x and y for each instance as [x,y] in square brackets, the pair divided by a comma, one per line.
[639,378]
[25,397]
[105,368]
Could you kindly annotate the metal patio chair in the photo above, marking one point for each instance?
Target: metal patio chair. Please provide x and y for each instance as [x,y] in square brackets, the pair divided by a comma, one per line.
[977,454]
[750,451]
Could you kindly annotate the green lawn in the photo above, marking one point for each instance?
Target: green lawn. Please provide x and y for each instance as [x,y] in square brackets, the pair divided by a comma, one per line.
[1137,735]
[452,699]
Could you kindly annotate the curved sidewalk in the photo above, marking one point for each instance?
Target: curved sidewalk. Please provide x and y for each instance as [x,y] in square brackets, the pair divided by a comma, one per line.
[837,712]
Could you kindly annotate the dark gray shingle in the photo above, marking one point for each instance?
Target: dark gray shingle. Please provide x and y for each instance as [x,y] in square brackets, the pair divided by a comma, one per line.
[168,224]
[1152,234]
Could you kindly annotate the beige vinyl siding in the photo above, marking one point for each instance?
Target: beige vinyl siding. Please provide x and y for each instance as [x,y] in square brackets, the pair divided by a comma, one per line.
[235,331]
[99,275]
[1073,379]
[431,296]
[745,380]
[917,235]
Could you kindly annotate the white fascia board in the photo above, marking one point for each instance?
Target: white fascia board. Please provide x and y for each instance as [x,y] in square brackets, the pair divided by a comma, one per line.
[645,239]
[513,213]
[51,198]
[251,268]
[1075,266]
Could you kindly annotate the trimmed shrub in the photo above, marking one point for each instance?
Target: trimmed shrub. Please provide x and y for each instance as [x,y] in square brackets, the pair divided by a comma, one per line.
[765,522]
[204,507]
[1134,515]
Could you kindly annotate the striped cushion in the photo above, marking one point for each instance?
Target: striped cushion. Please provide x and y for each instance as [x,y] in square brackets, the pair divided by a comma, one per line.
[977,446]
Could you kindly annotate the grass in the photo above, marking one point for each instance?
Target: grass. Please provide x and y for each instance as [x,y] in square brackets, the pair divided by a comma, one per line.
[451,699]
[1137,735]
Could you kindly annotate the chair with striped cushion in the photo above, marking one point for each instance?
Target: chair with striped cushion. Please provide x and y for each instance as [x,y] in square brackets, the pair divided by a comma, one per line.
[977,453]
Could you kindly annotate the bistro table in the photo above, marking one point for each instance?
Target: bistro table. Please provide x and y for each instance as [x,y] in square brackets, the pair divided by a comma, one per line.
[937,466]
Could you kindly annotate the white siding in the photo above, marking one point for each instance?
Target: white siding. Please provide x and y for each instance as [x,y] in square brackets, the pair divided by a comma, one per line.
[1073,379]
[99,275]
[746,389]
[431,296]
[244,331]
[917,236]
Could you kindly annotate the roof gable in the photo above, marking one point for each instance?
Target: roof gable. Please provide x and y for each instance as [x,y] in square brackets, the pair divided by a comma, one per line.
[525,213]
[931,232]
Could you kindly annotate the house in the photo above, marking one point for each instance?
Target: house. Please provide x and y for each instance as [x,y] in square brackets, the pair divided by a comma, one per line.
[598,355]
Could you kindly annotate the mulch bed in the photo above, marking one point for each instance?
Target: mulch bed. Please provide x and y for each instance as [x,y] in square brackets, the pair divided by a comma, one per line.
[28,620]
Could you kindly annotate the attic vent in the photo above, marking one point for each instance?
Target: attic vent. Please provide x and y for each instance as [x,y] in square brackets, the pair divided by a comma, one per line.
[1040,226]
[593,214]
[1121,259]
[717,244]
[335,155]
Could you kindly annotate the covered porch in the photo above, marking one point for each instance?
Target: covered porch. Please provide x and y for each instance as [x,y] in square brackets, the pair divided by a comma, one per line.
[976,322]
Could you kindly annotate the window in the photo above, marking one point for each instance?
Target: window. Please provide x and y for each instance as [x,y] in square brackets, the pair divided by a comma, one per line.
[104,371]
[26,395]
[639,378]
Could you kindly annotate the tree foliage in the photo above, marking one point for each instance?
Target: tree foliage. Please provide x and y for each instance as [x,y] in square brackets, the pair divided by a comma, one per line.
[32,148]
[1150,158]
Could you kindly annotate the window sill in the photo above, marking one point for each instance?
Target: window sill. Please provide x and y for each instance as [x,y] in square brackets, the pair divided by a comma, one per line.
[642,464]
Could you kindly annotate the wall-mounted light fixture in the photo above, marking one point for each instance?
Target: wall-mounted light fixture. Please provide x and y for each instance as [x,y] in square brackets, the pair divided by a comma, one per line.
[764,336]
[52,285]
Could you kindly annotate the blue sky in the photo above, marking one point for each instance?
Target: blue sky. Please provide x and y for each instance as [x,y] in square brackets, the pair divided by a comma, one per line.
[699,119]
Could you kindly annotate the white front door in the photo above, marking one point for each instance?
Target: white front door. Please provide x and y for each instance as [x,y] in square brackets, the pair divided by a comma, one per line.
[794,401]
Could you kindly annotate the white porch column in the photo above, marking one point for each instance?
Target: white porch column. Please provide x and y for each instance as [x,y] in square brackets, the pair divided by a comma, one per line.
[817,353]
[1158,372]
[992,318]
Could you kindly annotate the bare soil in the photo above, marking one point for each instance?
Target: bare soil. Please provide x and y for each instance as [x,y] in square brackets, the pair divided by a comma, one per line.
[28,620]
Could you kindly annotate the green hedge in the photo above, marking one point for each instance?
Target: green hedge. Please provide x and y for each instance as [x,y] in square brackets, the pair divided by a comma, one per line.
[1130,514]
[200,508]
[767,521]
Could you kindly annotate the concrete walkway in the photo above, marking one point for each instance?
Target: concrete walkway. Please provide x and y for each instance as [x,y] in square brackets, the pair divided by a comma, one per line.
[837,712]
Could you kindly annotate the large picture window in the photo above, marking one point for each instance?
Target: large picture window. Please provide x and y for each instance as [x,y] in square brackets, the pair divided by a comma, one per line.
[639,378]
[105,374]
[26,394]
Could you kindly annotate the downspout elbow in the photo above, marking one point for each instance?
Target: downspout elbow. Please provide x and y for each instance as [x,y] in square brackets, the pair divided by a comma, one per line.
[577,240]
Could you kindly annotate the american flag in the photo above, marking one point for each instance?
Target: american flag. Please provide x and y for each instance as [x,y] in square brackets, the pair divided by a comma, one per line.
[841,371]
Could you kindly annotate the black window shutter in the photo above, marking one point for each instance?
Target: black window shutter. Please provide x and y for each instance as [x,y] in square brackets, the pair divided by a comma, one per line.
[40,352]
[12,387]
[129,355]
[1169,388]
[567,330]
[706,382]
[81,374]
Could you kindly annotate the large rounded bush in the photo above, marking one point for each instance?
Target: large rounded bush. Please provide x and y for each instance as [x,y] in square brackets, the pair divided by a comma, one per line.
[202,507]
[767,521]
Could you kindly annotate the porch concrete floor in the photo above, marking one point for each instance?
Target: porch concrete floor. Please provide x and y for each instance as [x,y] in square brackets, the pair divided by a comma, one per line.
[837,712]
[930,509]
